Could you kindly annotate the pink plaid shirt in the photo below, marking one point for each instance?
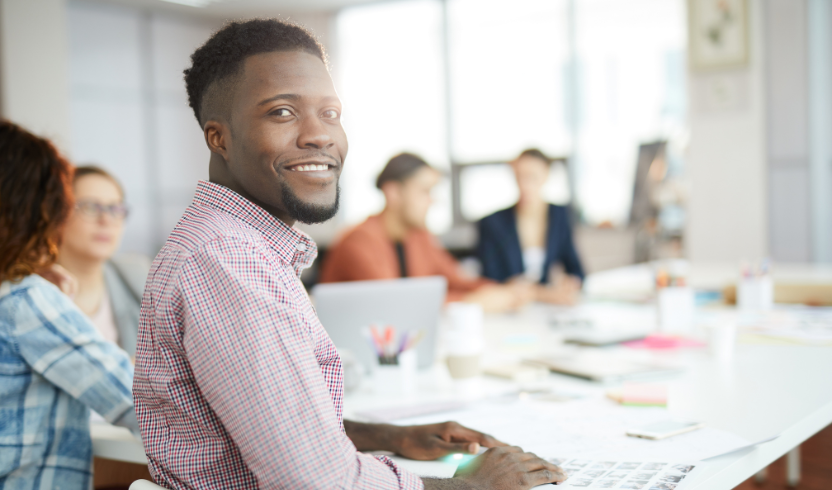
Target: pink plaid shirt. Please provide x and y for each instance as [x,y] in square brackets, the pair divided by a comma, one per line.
[237,384]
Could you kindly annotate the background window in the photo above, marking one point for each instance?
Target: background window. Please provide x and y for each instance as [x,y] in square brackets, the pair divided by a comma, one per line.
[391,81]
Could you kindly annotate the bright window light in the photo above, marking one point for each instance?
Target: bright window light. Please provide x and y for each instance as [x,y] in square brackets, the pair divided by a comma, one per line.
[390,78]
[507,62]
[511,63]
[631,72]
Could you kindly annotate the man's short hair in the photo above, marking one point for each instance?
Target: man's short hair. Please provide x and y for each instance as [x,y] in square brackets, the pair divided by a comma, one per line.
[535,153]
[215,65]
[400,168]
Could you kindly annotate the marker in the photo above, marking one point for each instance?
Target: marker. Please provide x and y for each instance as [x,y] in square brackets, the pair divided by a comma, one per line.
[415,340]
[403,342]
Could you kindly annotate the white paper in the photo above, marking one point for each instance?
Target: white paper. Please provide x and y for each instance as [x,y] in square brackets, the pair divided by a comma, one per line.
[590,429]
[626,474]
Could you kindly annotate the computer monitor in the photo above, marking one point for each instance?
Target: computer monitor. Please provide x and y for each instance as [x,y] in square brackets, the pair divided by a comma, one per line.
[410,304]
[488,187]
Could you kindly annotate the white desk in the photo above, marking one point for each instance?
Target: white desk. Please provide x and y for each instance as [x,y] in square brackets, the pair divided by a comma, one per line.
[765,390]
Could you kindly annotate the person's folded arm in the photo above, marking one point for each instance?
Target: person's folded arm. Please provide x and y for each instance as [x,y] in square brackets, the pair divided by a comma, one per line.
[58,342]
[252,355]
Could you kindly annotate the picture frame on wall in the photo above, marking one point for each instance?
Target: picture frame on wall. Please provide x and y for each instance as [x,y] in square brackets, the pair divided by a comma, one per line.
[718,34]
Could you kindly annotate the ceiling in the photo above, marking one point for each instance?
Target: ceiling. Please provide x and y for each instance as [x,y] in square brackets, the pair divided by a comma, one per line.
[224,9]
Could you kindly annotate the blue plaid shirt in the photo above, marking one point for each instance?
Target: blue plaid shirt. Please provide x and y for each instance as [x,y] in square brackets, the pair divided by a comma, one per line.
[54,367]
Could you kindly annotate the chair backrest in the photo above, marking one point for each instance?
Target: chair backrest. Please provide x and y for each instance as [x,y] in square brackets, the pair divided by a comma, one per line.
[145,485]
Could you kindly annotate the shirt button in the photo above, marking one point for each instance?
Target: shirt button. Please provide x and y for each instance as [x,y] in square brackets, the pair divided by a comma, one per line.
[301,247]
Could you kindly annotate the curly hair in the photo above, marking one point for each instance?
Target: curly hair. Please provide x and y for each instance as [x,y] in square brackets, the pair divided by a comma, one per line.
[35,201]
[220,59]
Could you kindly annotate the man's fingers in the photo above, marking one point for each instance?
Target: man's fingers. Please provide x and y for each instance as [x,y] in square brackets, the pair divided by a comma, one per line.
[534,463]
[458,447]
[543,476]
[462,433]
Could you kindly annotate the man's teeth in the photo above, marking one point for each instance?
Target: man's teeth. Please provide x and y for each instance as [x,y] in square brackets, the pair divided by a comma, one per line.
[310,168]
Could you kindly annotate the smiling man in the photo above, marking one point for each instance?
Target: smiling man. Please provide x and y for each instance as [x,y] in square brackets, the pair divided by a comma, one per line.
[237,384]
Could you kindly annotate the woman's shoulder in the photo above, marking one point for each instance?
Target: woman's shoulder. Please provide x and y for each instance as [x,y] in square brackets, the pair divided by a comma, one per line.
[498,216]
[30,282]
[558,211]
[37,291]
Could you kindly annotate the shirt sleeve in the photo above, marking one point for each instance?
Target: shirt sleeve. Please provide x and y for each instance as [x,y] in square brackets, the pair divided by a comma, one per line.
[569,254]
[58,342]
[357,257]
[253,358]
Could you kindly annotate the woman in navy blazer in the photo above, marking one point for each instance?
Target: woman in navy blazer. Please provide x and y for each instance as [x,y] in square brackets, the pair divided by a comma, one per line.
[525,240]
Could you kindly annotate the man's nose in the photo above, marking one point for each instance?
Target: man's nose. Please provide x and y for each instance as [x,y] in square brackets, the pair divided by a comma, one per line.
[314,134]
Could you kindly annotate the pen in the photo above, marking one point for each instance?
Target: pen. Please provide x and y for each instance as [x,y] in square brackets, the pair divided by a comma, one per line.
[376,337]
[403,342]
[388,340]
[415,340]
[365,332]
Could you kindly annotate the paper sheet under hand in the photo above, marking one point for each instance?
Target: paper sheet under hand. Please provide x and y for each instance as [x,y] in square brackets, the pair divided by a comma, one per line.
[627,474]
[590,429]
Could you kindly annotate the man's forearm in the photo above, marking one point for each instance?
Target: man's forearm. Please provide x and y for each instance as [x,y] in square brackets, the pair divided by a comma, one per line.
[372,437]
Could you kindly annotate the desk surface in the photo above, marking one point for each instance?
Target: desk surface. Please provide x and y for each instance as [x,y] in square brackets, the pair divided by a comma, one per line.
[764,390]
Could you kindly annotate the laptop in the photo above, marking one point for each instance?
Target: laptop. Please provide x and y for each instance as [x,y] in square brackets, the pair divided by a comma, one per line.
[409,304]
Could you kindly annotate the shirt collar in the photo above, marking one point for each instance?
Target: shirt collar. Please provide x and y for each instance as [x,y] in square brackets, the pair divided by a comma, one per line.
[293,246]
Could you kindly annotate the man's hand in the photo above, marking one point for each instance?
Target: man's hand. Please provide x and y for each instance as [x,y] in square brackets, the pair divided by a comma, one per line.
[433,441]
[508,468]
[423,442]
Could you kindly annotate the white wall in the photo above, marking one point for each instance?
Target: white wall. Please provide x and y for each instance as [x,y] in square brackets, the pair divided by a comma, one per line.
[34,90]
[130,113]
[726,161]
[790,223]
[820,126]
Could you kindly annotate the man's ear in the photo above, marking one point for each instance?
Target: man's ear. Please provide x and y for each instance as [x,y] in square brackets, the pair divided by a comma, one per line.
[217,137]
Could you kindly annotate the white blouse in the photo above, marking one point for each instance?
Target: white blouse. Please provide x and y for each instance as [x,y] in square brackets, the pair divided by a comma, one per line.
[534,259]
[104,321]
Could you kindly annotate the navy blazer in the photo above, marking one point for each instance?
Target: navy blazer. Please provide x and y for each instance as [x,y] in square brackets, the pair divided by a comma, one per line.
[499,247]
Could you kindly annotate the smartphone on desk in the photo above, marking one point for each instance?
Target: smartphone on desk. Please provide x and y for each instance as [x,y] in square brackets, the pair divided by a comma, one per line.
[664,429]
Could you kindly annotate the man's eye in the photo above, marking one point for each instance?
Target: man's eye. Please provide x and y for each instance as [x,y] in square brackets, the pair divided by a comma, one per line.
[330,114]
[281,112]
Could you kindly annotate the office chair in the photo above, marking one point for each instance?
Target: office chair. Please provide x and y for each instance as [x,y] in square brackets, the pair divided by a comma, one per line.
[145,485]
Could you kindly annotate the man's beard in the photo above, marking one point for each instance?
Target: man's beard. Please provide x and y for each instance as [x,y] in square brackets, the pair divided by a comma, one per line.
[308,213]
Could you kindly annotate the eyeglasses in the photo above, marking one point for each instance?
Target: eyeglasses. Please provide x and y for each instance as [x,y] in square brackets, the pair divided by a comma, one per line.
[94,210]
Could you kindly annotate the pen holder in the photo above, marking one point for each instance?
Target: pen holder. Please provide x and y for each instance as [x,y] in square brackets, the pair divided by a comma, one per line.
[676,309]
[396,375]
[755,294]
[722,341]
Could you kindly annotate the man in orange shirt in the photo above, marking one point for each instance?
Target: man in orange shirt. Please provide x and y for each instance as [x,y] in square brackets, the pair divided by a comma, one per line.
[396,243]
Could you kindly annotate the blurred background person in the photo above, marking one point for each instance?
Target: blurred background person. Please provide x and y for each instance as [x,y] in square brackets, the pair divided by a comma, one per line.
[396,243]
[109,289]
[525,241]
[52,358]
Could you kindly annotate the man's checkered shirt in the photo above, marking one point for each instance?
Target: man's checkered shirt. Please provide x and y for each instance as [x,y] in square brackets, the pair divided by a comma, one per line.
[237,384]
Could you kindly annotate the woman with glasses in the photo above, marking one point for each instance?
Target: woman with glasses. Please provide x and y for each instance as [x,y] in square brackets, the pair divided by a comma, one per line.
[54,366]
[109,289]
